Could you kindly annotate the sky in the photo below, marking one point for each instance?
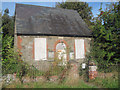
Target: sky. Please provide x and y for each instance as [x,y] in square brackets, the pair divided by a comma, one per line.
[11,6]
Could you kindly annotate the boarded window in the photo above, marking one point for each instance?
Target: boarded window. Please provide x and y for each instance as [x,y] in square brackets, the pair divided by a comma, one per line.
[71,55]
[51,55]
[40,49]
[79,48]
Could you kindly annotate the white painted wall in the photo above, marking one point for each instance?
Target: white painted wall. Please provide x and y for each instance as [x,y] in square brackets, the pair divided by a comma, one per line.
[40,49]
[79,48]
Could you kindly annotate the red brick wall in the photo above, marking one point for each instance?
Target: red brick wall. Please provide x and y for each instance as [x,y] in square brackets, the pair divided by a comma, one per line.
[19,41]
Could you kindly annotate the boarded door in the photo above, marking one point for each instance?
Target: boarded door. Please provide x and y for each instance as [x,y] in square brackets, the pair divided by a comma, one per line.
[40,49]
[79,48]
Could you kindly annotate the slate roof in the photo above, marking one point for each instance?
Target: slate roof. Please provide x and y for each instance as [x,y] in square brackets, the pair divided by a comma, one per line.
[39,20]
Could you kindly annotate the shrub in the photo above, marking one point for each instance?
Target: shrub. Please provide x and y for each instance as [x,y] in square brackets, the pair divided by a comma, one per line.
[106,33]
[9,56]
[12,62]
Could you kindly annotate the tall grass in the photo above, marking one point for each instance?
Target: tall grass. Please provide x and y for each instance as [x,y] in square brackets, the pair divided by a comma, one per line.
[106,82]
[81,84]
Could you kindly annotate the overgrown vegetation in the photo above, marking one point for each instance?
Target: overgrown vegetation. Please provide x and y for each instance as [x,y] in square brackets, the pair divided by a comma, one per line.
[106,33]
[11,58]
[105,46]
[111,82]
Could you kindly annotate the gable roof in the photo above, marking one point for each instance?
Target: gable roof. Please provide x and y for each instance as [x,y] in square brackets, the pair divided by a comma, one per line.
[38,20]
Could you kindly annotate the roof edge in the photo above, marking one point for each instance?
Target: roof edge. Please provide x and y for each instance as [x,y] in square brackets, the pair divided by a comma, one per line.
[19,34]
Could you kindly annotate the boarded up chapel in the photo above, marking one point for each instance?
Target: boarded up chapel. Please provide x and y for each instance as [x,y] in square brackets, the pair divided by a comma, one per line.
[44,33]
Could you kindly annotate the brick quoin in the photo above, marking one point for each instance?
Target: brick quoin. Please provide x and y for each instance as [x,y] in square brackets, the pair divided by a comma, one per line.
[19,41]
[60,41]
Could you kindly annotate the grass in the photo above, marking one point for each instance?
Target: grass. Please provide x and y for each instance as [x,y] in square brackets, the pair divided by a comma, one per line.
[108,82]
[97,83]
[81,84]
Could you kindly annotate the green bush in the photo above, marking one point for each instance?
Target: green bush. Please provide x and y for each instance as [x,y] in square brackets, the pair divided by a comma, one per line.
[12,61]
[106,34]
[10,58]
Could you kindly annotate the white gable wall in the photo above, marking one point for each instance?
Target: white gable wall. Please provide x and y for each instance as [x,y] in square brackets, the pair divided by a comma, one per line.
[40,49]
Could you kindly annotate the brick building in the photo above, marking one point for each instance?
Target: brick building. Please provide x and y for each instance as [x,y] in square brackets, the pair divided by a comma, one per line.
[43,34]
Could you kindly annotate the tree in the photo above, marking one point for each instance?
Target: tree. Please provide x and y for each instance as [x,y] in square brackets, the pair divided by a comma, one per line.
[9,57]
[7,24]
[81,7]
[7,30]
[0,44]
[106,43]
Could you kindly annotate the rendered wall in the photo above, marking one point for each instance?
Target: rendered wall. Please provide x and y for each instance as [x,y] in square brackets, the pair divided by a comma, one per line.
[26,44]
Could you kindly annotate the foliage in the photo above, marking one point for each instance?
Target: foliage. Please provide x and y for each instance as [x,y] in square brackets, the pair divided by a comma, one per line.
[106,32]
[106,82]
[12,62]
[55,69]
[7,24]
[0,45]
[9,57]
[81,7]
[84,72]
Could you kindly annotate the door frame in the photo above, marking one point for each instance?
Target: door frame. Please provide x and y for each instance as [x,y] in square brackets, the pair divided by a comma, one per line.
[61,41]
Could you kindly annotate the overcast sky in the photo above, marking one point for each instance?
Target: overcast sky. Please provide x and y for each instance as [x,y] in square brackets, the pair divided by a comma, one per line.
[11,6]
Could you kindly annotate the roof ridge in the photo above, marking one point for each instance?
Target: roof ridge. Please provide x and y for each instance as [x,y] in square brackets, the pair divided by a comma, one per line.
[33,5]
[45,7]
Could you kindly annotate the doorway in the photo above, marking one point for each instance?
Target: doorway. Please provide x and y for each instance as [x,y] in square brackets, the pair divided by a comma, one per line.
[61,53]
